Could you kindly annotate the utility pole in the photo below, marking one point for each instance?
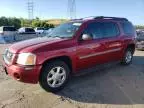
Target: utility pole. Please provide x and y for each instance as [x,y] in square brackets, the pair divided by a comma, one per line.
[30,5]
[71,9]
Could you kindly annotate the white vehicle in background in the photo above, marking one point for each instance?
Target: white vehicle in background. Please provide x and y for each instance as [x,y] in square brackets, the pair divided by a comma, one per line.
[39,30]
[7,33]
[26,30]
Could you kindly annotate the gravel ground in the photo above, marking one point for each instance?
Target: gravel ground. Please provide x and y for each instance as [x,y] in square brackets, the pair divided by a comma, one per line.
[113,87]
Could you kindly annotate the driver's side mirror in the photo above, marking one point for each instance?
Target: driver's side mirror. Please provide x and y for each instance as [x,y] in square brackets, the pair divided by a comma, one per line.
[86,37]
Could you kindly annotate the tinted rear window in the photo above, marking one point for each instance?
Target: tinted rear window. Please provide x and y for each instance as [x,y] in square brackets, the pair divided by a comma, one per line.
[128,28]
[9,29]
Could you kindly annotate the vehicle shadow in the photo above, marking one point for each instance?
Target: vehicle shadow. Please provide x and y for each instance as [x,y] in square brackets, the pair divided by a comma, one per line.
[99,87]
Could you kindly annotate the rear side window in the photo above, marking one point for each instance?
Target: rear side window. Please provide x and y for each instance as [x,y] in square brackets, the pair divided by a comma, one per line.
[102,30]
[9,29]
[128,28]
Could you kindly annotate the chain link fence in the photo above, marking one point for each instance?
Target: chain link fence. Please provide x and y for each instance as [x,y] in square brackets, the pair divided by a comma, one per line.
[18,37]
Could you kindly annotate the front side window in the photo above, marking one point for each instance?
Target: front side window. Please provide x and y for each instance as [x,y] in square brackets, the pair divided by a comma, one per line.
[101,30]
[66,30]
[29,30]
[94,30]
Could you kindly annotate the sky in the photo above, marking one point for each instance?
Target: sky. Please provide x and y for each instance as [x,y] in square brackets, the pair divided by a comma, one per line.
[48,9]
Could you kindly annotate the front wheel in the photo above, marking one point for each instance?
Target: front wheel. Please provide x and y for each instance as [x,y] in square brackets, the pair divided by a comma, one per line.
[127,59]
[54,76]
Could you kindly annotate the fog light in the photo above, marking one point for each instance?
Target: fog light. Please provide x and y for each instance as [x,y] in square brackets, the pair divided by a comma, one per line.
[17,76]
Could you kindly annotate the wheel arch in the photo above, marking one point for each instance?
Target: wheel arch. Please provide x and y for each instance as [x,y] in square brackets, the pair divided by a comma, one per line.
[63,58]
[131,46]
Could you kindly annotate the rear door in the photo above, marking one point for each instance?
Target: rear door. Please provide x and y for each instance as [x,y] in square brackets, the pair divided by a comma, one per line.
[113,41]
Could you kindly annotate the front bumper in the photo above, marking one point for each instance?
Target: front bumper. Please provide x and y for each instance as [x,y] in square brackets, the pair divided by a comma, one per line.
[27,74]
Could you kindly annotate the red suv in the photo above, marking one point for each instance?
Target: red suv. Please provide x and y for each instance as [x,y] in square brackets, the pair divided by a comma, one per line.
[70,48]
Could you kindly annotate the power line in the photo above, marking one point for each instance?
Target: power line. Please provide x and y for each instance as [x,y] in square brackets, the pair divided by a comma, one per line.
[30,5]
[71,9]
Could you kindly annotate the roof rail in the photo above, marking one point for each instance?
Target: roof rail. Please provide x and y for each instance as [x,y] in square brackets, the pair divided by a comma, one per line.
[85,18]
[113,18]
[101,17]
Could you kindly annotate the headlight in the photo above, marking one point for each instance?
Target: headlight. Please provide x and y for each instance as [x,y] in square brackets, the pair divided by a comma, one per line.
[26,59]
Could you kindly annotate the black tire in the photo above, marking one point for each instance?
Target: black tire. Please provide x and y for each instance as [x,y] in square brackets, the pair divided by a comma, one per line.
[44,74]
[124,59]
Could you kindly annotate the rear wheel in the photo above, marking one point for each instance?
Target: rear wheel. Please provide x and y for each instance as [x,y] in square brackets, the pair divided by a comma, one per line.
[127,59]
[54,76]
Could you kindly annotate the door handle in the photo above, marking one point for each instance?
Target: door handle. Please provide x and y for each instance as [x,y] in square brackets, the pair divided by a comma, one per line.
[93,46]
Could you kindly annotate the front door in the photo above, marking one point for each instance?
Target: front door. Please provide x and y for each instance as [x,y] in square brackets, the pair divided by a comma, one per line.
[91,52]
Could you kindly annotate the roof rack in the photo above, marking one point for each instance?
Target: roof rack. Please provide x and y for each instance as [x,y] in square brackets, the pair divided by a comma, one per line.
[102,17]
[113,18]
[85,18]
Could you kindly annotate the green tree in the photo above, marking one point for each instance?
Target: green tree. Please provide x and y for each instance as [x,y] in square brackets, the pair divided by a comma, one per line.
[21,22]
[10,22]
[139,26]
[14,22]
[51,26]
[3,21]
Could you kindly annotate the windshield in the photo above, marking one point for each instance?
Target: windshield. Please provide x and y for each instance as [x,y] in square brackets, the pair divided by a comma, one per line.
[66,30]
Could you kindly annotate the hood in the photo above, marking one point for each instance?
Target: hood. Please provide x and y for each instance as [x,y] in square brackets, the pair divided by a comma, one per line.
[17,47]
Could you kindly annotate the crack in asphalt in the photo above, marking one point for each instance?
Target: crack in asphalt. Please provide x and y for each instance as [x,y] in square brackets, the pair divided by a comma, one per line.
[20,98]
[15,101]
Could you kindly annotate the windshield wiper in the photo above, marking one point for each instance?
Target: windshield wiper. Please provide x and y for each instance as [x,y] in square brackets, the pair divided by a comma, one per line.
[49,36]
[59,37]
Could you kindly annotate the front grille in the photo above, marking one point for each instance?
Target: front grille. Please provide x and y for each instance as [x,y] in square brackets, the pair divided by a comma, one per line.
[8,56]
